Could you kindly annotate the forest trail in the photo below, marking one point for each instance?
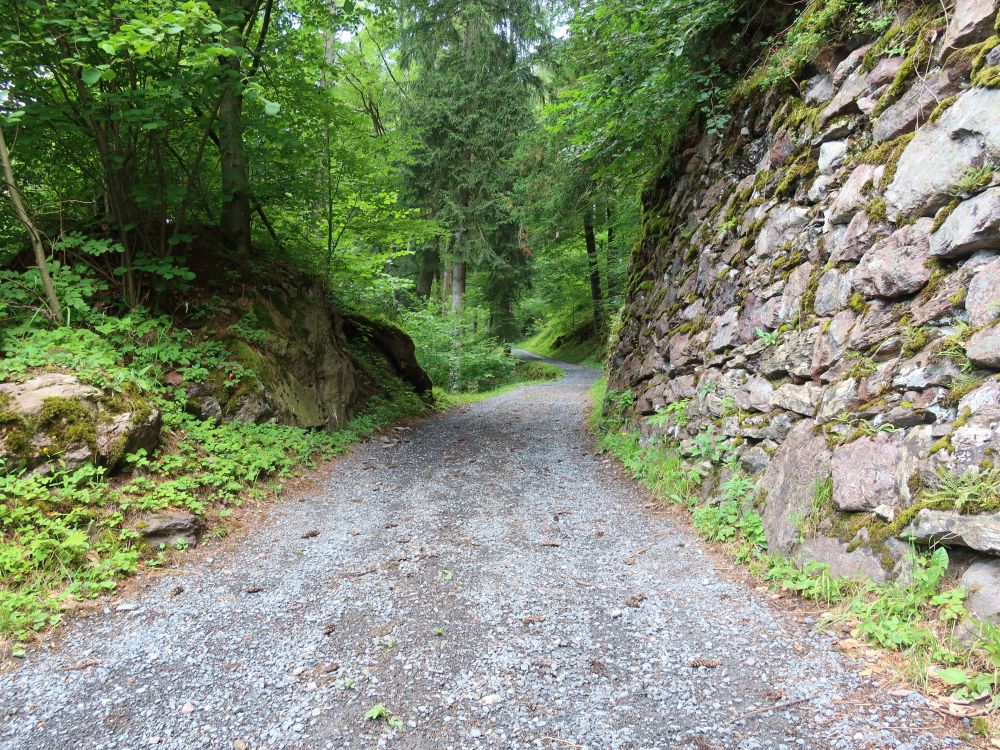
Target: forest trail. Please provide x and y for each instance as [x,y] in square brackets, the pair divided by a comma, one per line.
[489,580]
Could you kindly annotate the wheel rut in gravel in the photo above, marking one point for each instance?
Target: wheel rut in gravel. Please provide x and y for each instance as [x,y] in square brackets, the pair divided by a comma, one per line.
[487,578]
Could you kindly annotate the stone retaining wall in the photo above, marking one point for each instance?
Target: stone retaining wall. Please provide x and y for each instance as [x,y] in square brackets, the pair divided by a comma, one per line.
[822,286]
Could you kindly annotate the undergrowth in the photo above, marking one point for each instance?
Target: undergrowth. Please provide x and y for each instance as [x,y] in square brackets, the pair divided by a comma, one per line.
[70,533]
[916,617]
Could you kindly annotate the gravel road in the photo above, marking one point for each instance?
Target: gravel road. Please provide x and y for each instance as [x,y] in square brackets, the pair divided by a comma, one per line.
[492,583]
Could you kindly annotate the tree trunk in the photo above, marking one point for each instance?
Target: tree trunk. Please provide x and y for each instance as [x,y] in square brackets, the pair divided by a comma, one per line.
[457,285]
[429,262]
[234,223]
[445,291]
[593,263]
[608,253]
[55,309]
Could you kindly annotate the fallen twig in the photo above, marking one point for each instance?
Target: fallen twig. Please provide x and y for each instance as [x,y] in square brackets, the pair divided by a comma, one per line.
[560,741]
[768,709]
[630,559]
[82,665]
[358,573]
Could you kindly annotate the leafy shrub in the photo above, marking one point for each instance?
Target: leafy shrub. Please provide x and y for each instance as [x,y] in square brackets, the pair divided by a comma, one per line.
[457,358]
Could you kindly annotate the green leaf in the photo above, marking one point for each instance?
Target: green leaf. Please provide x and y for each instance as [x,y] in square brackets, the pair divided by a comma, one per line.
[91,76]
[376,712]
[953,676]
[271,108]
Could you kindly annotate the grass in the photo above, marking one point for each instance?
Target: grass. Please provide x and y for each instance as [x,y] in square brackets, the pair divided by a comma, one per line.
[561,340]
[67,536]
[525,372]
[915,618]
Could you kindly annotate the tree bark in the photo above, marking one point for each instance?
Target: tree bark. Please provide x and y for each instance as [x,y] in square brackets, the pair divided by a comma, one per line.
[457,285]
[429,262]
[52,300]
[593,263]
[234,222]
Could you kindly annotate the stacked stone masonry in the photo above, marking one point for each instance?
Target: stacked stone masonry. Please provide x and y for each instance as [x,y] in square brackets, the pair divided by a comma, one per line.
[822,286]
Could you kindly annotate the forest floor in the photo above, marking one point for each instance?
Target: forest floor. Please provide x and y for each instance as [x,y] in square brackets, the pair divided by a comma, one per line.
[481,579]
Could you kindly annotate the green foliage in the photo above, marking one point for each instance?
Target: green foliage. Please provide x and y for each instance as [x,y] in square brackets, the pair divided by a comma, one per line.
[768,338]
[915,616]
[457,358]
[643,70]
[676,412]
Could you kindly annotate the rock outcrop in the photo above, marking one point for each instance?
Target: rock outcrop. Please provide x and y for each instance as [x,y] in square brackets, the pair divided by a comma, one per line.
[833,312]
[53,418]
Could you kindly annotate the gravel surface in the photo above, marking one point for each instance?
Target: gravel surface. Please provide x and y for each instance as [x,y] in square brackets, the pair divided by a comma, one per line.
[489,580]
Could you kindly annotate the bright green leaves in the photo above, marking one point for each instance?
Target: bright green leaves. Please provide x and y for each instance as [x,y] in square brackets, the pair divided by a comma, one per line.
[91,76]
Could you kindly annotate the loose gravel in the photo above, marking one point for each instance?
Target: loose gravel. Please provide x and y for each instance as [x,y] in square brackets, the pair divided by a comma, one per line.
[490,581]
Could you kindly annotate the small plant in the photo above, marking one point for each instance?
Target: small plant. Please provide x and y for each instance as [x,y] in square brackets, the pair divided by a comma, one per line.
[820,504]
[973,180]
[728,406]
[439,632]
[953,346]
[377,712]
[707,446]
[961,386]
[445,575]
[768,338]
[975,489]
[676,412]
[914,339]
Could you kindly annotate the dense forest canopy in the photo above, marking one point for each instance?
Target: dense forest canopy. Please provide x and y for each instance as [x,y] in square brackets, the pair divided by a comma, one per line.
[474,163]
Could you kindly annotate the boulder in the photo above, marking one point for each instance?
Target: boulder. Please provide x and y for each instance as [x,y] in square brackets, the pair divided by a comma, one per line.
[942,152]
[755,459]
[980,532]
[981,581]
[982,301]
[914,107]
[54,421]
[983,400]
[832,343]
[28,398]
[831,156]
[833,291]
[170,528]
[859,563]
[840,397]
[864,474]
[849,98]
[802,461]
[924,370]
[782,224]
[793,355]
[766,427]
[971,21]
[897,265]
[983,348]
[973,225]
[860,235]
[758,312]
[801,399]
[128,433]
[795,287]
[854,194]
[724,330]
[396,347]
[819,89]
